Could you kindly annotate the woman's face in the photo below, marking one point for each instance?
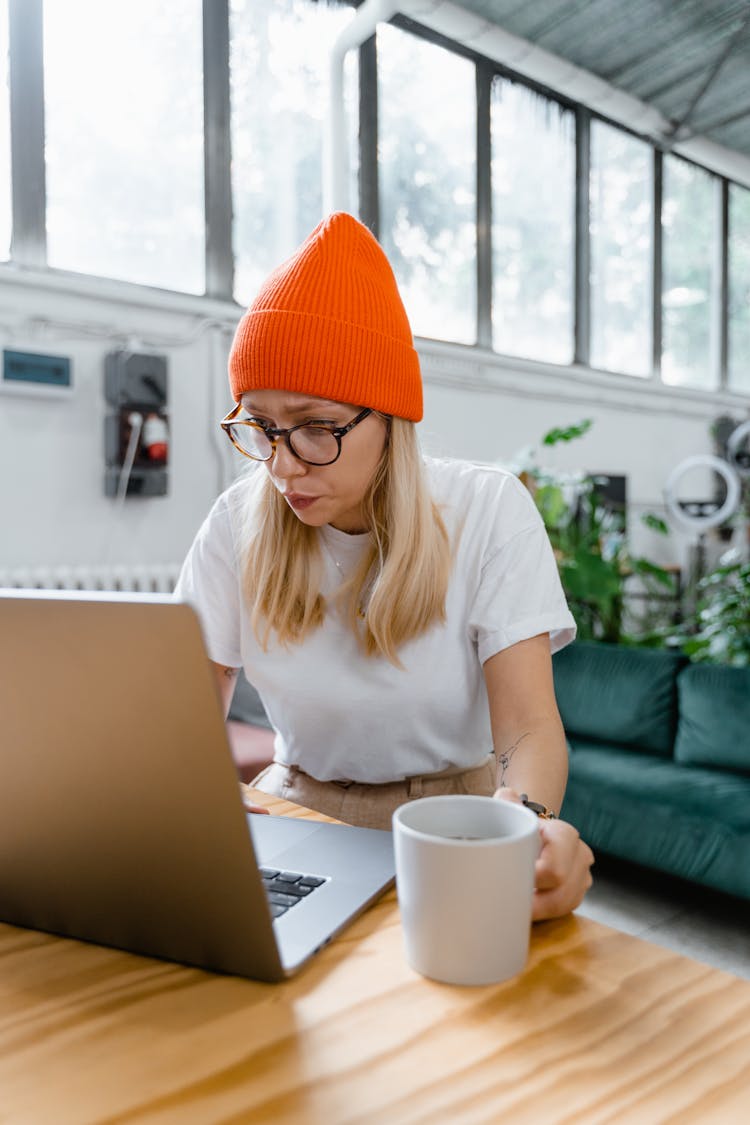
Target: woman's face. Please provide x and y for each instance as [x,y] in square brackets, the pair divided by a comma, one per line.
[321,494]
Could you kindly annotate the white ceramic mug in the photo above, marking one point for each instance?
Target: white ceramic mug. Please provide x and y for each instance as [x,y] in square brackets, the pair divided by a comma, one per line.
[465,883]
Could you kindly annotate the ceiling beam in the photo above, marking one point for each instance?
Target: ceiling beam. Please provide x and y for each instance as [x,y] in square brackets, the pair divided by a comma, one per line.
[678,127]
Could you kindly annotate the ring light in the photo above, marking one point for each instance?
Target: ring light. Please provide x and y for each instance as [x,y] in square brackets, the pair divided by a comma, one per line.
[703,521]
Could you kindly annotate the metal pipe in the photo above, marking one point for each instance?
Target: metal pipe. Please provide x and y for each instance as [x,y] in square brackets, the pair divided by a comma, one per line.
[336,163]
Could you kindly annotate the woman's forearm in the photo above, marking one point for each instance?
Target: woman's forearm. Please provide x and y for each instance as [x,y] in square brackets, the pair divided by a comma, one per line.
[532,758]
[527,734]
[534,761]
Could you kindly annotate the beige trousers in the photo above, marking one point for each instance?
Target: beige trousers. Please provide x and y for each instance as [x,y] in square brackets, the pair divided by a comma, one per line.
[371,806]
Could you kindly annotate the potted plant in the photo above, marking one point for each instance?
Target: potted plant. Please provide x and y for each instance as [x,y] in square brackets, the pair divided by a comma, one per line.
[719,631]
[590,545]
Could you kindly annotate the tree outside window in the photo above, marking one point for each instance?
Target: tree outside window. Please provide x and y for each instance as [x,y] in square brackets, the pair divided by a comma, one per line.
[689,283]
[621,197]
[533,193]
[739,289]
[427,168]
[124,140]
[279,61]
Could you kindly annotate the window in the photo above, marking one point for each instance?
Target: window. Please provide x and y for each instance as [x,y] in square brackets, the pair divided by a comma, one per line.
[533,191]
[5,206]
[124,124]
[427,169]
[739,289]
[279,52]
[620,192]
[689,224]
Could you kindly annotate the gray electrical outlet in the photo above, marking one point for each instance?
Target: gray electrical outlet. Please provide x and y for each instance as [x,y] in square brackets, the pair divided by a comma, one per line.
[136,430]
[133,378]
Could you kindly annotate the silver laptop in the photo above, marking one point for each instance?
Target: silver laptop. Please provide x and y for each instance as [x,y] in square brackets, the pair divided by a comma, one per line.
[121,820]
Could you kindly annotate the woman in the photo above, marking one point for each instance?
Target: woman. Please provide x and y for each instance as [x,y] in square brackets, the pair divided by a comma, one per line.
[396,614]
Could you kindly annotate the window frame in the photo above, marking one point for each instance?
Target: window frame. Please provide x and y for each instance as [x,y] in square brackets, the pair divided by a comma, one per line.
[28,193]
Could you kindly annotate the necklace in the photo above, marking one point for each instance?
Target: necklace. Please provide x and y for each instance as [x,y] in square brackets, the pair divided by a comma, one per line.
[361,609]
[334,560]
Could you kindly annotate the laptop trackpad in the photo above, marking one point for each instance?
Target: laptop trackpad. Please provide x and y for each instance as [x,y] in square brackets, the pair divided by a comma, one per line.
[362,855]
[273,835]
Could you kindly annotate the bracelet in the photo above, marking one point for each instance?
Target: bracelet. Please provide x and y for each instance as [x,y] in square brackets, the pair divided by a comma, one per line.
[541,810]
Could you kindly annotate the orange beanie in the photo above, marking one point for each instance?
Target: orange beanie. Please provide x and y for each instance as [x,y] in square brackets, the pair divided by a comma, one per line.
[330,322]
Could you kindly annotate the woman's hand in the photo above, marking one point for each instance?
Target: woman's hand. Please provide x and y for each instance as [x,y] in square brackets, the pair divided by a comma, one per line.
[245,792]
[563,872]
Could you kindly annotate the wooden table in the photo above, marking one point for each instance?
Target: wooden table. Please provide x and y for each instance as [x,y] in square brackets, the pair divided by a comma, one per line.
[601,1027]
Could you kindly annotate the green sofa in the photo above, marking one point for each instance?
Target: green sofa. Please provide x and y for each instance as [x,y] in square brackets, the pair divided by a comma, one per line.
[659,760]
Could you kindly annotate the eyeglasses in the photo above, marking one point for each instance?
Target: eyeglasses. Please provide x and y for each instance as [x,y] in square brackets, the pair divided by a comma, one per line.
[311,442]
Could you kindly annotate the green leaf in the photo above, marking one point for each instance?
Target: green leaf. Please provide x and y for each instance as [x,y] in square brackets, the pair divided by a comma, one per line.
[567,433]
[588,577]
[656,523]
[551,504]
[646,568]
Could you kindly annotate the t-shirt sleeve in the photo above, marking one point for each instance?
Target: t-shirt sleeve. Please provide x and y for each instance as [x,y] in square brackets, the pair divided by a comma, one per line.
[519,594]
[209,581]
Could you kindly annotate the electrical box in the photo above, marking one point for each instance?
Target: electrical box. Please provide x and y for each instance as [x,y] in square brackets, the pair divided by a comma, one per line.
[136,430]
[32,373]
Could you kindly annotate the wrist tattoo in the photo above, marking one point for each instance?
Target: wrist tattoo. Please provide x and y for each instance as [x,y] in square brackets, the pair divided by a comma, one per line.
[503,759]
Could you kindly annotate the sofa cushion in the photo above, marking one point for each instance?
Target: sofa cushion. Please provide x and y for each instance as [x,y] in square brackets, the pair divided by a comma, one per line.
[714,723]
[616,694]
[685,820]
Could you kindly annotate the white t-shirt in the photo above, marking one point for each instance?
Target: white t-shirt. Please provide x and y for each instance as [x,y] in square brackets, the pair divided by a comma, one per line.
[340,715]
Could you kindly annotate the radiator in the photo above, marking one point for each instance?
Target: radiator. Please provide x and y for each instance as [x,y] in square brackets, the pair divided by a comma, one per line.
[155,578]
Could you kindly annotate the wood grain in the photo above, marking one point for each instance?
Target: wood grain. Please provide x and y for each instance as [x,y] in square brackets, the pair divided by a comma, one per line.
[600,1027]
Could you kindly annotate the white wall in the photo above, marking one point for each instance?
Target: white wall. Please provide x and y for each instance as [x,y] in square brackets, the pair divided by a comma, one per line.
[490,409]
[52,505]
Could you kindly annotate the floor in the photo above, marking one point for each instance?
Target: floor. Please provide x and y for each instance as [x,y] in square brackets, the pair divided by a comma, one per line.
[695,921]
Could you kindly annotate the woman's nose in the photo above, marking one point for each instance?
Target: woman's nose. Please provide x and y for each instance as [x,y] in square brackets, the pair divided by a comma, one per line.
[284,464]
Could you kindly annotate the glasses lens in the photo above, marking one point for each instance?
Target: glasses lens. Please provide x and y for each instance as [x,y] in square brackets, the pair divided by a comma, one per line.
[315,444]
[252,441]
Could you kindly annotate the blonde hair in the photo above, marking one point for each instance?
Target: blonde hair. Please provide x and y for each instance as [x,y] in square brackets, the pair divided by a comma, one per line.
[396,593]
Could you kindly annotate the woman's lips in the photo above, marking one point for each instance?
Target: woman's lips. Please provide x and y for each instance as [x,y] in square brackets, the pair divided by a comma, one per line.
[298,502]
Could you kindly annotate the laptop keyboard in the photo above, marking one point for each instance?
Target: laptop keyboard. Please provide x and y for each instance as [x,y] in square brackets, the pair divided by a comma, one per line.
[285,889]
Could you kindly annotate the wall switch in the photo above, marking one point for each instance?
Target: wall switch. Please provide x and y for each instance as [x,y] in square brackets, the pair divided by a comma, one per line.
[137,379]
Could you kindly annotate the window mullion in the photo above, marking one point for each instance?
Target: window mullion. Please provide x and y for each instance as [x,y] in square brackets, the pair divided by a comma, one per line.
[582,314]
[26,73]
[369,184]
[721,304]
[484,76]
[657,243]
[217,155]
